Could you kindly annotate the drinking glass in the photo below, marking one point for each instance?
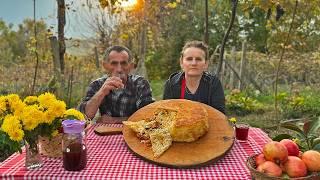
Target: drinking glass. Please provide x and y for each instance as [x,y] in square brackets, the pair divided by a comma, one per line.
[242,131]
[122,76]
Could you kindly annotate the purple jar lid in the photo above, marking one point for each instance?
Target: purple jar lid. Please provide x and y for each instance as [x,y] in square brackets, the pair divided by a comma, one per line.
[73,126]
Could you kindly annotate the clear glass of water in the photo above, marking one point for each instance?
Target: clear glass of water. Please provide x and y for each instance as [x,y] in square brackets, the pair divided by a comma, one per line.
[122,76]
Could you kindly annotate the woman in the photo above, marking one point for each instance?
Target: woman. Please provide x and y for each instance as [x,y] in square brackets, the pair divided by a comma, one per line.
[193,82]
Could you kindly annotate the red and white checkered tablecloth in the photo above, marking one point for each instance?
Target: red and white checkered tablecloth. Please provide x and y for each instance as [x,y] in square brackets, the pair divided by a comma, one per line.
[109,158]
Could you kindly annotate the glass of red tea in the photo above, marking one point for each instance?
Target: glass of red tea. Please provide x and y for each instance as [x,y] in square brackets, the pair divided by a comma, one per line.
[242,131]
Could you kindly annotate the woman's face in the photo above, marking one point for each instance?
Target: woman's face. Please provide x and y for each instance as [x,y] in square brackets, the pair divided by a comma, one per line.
[193,61]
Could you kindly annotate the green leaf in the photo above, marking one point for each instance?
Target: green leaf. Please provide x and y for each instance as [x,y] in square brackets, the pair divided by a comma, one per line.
[317,147]
[282,136]
[315,142]
[293,127]
[314,126]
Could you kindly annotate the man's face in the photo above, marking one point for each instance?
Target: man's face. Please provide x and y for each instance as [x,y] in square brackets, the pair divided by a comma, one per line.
[118,63]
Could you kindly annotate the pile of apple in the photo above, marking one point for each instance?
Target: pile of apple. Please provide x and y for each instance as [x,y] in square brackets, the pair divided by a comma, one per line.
[285,157]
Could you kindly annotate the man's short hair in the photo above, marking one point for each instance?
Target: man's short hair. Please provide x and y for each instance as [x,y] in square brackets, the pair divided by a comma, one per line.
[117,48]
[196,44]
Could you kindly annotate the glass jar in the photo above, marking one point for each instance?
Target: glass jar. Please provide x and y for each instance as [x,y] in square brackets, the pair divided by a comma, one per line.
[74,148]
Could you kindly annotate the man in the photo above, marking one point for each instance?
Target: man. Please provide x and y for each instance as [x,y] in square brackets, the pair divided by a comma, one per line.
[118,94]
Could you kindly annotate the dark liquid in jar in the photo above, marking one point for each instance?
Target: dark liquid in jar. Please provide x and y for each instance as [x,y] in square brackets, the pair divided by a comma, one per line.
[75,157]
[242,133]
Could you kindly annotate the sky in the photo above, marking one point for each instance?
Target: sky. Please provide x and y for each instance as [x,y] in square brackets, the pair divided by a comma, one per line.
[15,11]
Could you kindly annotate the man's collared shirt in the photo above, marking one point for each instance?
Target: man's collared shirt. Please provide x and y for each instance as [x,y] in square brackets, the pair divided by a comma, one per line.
[122,102]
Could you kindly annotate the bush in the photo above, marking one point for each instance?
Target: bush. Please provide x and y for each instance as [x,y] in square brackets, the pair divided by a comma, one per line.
[312,102]
[291,106]
[299,104]
[241,104]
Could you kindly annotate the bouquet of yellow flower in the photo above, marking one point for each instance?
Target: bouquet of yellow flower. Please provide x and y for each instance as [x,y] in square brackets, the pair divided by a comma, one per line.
[32,117]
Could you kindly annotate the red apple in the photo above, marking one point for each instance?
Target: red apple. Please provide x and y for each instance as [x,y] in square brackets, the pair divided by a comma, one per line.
[275,152]
[292,147]
[260,159]
[295,167]
[270,168]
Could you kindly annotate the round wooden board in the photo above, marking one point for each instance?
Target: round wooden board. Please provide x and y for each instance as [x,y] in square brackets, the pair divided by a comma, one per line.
[209,148]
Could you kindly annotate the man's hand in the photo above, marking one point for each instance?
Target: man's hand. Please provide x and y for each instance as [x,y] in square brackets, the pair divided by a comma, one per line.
[110,84]
[94,103]
[105,119]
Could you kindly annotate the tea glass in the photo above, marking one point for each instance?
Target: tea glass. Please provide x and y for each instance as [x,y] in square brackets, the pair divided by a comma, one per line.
[242,131]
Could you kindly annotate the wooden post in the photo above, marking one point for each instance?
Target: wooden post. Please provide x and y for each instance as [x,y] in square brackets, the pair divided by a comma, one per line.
[55,56]
[222,78]
[96,57]
[70,87]
[232,62]
[243,65]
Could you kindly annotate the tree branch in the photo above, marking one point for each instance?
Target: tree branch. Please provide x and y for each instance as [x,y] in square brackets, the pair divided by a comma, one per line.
[281,59]
[226,35]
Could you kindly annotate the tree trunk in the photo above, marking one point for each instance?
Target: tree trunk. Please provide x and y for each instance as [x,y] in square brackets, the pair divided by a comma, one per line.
[141,68]
[36,49]
[226,36]
[206,28]
[61,24]
[62,45]
[55,56]
[54,84]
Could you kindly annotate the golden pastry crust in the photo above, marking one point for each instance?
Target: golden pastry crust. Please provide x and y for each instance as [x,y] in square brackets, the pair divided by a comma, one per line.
[190,121]
[173,120]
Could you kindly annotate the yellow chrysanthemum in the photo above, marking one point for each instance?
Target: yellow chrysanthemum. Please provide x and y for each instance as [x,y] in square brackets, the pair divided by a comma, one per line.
[13,98]
[49,117]
[73,113]
[32,117]
[57,108]
[46,99]
[15,104]
[30,100]
[11,125]
[233,120]
[17,107]
[16,135]
[3,104]
[40,108]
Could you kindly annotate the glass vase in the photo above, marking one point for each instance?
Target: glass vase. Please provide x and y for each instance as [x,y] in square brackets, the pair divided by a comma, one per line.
[33,159]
